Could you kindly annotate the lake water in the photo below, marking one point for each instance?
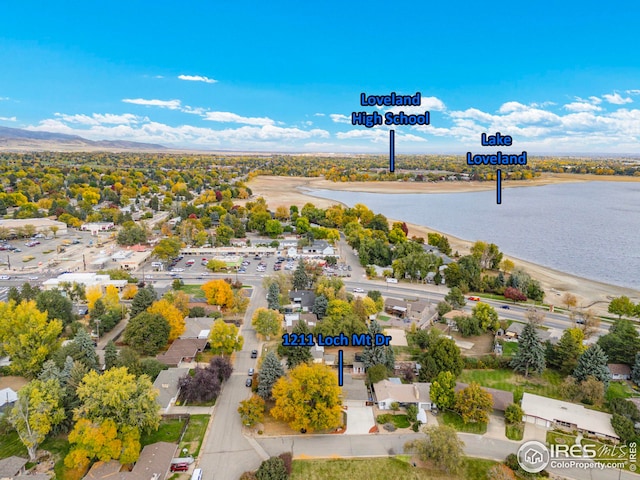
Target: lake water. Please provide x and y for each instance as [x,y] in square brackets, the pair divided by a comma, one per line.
[589,229]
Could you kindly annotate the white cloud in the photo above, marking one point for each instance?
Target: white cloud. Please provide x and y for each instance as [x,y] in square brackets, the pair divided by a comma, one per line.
[616,99]
[632,92]
[509,107]
[197,78]
[339,118]
[318,115]
[594,100]
[582,107]
[99,118]
[170,104]
[375,135]
[8,119]
[229,117]
[4,98]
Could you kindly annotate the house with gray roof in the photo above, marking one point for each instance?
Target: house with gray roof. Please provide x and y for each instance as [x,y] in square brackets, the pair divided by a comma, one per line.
[167,385]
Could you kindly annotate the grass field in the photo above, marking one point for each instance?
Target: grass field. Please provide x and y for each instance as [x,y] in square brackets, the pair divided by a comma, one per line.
[455,420]
[547,384]
[194,290]
[509,348]
[194,434]
[618,390]
[11,445]
[383,469]
[169,431]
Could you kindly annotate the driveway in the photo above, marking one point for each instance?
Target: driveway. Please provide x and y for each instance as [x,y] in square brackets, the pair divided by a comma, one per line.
[534,432]
[496,427]
[359,420]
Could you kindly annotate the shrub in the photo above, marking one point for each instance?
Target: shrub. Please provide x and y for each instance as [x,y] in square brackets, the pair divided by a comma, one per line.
[288,460]
[384,418]
[197,312]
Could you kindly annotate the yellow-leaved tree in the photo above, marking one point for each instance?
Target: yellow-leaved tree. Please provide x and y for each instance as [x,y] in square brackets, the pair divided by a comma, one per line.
[308,398]
[92,293]
[129,291]
[224,338]
[111,298]
[172,315]
[218,292]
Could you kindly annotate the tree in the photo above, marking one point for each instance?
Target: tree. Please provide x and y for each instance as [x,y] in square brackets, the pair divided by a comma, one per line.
[622,406]
[308,398]
[621,343]
[534,316]
[296,355]
[513,414]
[635,372]
[172,315]
[85,352]
[514,294]
[273,228]
[216,265]
[56,306]
[474,404]
[377,373]
[467,326]
[320,305]
[203,386]
[218,292]
[37,410]
[93,440]
[147,333]
[486,316]
[624,427]
[373,354]
[501,472]
[251,411]
[564,355]
[593,362]
[301,279]
[446,354]
[272,469]
[110,355]
[142,300]
[27,337]
[530,355]
[267,322]
[442,447]
[622,306]
[592,391]
[507,265]
[119,396]
[455,298]
[269,374]
[111,297]
[443,390]
[443,308]
[92,294]
[224,338]
[167,248]
[273,296]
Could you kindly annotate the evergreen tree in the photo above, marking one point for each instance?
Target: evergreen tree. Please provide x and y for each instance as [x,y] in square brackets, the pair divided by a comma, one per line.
[530,354]
[273,296]
[373,354]
[269,374]
[143,300]
[320,305]
[635,372]
[564,355]
[86,351]
[296,355]
[389,358]
[110,355]
[300,277]
[50,371]
[592,362]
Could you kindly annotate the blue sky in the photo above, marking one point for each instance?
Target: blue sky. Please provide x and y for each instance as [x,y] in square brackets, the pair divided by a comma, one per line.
[285,76]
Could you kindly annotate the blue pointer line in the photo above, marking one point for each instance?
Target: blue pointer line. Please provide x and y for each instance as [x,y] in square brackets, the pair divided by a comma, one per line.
[499,187]
[340,367]
[392,150]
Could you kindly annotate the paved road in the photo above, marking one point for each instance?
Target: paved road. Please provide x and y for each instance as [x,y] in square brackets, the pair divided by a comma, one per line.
[225,452]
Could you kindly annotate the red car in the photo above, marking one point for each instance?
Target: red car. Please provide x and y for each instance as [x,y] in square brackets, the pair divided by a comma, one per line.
[474,299]
[179,467]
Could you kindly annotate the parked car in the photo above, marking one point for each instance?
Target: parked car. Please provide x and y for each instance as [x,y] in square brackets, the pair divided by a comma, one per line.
[248,382]
[250,373]
[5,277]
[179,467]
[358,290]
[506,307]
[254,353]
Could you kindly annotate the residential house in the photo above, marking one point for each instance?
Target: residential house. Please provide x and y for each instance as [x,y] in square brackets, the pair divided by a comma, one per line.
[182,350]
[167,385]
[419,311]
[397,307]
[354,392]
[619,371]
[501,398]
[12,467]
[303,299]
[514,331]
[152,464]
[392,390]
[358,368]
[551,413]
[7,398]
[319,247]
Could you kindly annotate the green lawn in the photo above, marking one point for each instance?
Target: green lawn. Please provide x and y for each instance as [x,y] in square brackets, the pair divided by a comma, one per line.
[509,348]
[546,385]
[194,433]
[11,445]
[560,438]
[455,420]
[383,318]
[618,390]
[400,421]
[194,290]
[169,431]
[383,469]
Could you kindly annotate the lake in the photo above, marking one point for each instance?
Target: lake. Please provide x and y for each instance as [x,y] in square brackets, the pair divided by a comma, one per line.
[589,229]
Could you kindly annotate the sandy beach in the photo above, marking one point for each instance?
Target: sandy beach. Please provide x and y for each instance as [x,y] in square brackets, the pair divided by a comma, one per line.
[294,191]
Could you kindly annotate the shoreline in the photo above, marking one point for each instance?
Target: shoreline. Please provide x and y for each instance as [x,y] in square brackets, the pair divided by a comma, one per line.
[296,191]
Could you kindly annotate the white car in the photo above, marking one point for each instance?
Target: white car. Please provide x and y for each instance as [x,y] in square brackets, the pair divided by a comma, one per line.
[33,277]
[358,290]
[5,277]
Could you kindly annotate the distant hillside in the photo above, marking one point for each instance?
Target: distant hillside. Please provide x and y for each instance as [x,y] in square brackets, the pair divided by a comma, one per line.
[15,139]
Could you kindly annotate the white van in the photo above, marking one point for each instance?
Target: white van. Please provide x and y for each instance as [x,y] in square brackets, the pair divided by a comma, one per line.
[392,280]
[197,474]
